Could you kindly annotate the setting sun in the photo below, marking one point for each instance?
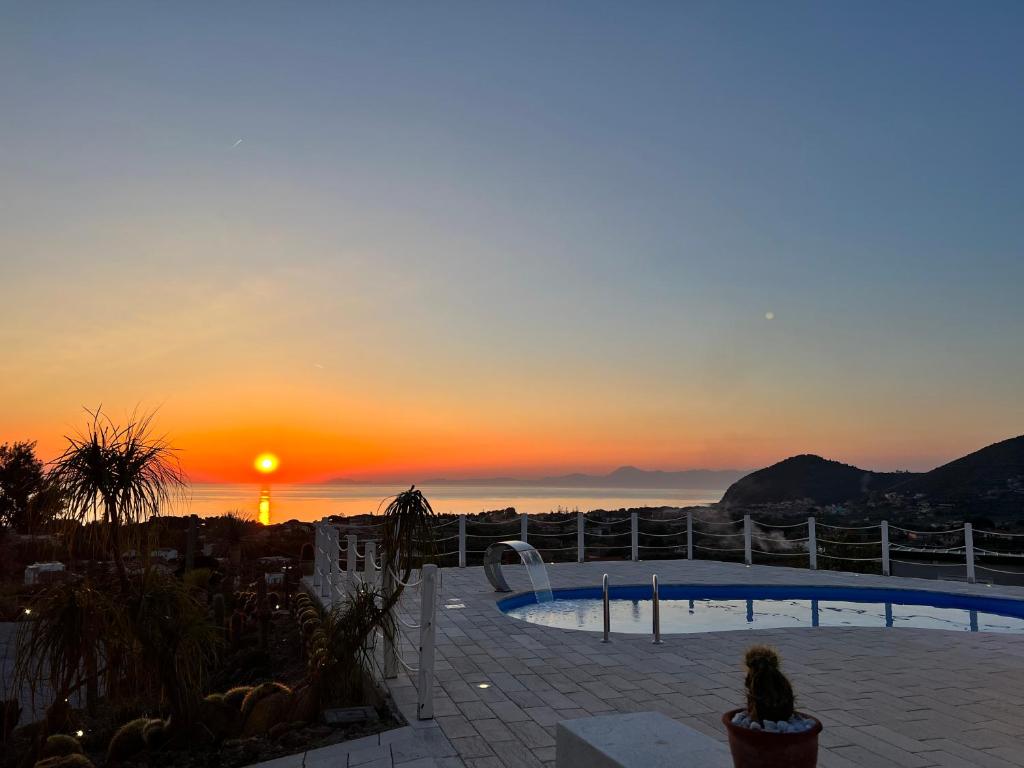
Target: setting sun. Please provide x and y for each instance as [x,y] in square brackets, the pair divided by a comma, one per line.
[266,463]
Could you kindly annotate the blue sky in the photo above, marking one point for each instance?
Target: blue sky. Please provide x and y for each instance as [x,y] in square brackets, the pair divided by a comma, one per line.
[570,219]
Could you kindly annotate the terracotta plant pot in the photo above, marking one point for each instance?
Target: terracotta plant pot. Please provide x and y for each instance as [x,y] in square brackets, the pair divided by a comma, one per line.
[763,749]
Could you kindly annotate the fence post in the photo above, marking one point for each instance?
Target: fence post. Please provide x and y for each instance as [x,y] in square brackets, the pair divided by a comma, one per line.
[581,554]
[635,530]
[969,551]
[351,558]
[331,554]
[689,535]
[369,569]
[390,652]
[524,524]
[812,543]
[462,541]
[428,610]
[747,554]
[317,559]
[885,547]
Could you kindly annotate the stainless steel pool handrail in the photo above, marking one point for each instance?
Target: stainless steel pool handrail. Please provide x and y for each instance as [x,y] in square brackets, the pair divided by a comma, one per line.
[657,609]
[607,608]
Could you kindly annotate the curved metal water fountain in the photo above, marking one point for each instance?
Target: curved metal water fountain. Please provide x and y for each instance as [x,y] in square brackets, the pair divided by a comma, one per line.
[529,556]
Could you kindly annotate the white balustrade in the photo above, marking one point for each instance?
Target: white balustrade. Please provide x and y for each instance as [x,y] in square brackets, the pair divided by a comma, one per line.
[885,548]
[812,544]
[747,535]
[969,551]
[462,541]
[428,619]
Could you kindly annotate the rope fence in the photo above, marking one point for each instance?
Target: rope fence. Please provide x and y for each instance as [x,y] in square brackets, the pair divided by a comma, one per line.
[861,548]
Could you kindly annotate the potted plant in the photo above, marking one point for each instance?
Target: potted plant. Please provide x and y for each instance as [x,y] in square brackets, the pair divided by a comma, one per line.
[769,732]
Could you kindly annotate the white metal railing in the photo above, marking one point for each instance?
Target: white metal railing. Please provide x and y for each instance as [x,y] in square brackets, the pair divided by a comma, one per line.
[817,544]
[330,586]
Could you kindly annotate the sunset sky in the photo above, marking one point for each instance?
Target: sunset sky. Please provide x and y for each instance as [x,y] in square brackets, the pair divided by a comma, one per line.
[403,240]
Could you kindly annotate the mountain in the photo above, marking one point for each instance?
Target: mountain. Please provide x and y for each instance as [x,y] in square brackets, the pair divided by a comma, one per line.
[809,477]
[623,477]
[631,477]
[996,468]
[994,472]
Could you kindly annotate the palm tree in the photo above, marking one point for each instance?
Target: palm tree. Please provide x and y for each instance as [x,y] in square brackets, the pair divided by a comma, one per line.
[117,475]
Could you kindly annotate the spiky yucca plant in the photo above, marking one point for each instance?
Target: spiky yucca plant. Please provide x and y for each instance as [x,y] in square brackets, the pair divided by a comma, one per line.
[408,538]
[340,668]
[71,632]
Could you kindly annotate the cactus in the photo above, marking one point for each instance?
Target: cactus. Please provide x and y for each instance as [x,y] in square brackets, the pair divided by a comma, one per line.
[236,696]
[264,707]
[304,702]
[191,542]
[60,744]
[129,740]
[74,760]
[264,628]
[155,733]
[259,692]
[220,717]
[769,692]
[218,611]
[237,621]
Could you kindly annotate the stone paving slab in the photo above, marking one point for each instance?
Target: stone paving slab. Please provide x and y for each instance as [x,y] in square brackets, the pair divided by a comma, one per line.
[916,698]
[425,746]
[894,697]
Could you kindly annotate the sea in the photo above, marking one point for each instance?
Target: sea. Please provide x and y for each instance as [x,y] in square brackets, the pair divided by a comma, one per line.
[277,503]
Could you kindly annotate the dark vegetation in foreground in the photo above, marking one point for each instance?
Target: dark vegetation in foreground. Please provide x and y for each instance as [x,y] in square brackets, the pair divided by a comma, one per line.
[138,662]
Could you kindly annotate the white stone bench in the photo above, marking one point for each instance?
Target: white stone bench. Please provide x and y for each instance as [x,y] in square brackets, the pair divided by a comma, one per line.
[636,740]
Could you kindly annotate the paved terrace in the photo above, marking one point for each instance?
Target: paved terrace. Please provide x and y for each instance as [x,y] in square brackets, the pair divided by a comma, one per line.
[887,697]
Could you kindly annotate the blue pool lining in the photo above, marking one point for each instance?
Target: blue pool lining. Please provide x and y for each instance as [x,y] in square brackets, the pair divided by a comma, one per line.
[1001,606]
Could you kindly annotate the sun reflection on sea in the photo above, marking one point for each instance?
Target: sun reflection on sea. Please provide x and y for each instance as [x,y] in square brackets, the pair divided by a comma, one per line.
[264,508]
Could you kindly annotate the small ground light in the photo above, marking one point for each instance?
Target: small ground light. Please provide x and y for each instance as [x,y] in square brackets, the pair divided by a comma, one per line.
[484,685]
[79,733]
[28,611]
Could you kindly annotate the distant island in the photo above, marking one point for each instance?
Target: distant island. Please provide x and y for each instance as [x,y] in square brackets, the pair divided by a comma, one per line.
[623,477]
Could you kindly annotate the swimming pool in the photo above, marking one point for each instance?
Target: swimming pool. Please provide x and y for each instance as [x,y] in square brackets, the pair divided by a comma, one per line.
[724,607]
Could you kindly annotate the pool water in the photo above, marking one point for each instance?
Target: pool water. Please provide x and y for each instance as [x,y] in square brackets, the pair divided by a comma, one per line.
[718,608]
